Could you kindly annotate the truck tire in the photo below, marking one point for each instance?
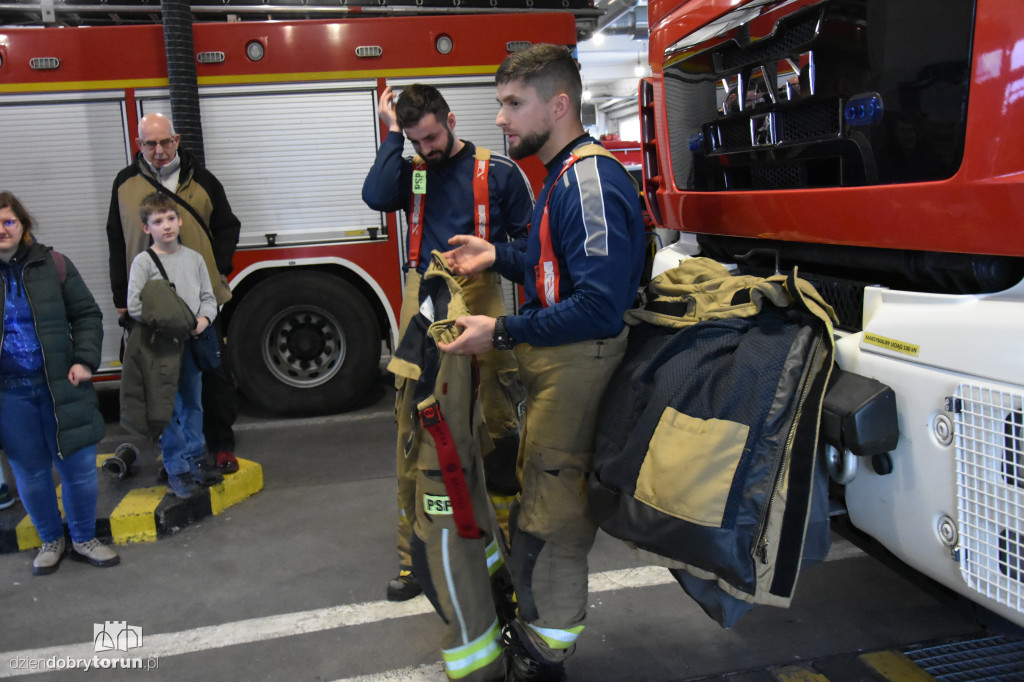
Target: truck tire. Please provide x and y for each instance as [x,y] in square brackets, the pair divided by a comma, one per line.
[304,343]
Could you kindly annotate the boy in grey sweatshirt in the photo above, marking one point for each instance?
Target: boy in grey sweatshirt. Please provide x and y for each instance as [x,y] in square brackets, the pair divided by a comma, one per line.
[182,442]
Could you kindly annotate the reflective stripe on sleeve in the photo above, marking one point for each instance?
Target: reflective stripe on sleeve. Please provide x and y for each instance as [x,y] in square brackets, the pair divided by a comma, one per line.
[588,179]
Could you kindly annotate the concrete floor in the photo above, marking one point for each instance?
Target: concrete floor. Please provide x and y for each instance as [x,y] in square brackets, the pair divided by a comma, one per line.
[289,585]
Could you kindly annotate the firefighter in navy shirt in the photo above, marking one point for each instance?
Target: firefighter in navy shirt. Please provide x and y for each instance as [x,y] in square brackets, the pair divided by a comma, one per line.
[450,187]
[580,272]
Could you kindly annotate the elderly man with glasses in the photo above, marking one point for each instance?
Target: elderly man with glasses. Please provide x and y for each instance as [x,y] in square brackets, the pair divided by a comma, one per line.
[208,226]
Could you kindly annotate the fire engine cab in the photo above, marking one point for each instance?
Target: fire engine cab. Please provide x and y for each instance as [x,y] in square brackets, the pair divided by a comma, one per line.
[879,147]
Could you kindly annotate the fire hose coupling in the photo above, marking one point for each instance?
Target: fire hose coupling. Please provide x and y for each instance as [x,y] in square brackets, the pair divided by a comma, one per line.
[119,466]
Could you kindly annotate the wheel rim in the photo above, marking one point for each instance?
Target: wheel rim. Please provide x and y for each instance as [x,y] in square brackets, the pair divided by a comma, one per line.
[303,346]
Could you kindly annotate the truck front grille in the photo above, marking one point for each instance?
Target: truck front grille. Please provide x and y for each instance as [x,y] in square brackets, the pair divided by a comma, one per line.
[989,430]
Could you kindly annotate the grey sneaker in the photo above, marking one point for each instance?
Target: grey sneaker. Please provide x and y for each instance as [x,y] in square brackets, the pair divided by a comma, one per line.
[49,557]
[94,552]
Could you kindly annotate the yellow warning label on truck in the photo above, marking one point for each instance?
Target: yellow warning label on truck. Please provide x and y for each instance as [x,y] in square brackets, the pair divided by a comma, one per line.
[892,344]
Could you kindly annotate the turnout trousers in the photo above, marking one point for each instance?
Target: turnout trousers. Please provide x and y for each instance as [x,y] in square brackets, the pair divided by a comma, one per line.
[454,571]
[501,393]
[453,547]
[552,528]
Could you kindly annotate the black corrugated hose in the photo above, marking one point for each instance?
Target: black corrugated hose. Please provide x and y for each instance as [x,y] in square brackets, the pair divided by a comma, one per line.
[181,75]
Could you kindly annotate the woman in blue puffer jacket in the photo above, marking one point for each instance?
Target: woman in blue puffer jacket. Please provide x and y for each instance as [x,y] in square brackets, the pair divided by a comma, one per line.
[50,347]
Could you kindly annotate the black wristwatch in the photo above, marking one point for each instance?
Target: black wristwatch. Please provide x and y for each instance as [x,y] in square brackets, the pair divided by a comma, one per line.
[501,339]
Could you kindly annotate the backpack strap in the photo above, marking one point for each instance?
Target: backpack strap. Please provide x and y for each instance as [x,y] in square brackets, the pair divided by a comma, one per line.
[61,265]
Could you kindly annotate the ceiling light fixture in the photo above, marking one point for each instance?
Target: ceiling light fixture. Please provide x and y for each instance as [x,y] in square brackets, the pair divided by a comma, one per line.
[639,70]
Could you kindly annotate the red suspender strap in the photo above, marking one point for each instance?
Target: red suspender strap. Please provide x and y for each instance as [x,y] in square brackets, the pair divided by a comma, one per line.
[546,272]
[419,167]
[481,202]
[451,471]
[481,198]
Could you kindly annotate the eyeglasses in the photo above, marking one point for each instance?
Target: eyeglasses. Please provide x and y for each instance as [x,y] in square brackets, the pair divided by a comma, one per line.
[10,222]
[152,144]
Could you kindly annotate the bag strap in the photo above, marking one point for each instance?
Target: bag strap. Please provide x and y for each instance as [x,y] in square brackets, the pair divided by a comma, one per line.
[184,204]
[159,266]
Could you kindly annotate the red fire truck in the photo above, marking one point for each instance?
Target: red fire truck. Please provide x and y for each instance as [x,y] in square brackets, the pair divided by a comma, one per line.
[289,122]
[879,146]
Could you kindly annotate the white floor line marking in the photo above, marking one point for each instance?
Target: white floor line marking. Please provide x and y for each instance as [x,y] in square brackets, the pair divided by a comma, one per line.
[288,624]
[432,672]
[228,634]
[304,622]
[645,576]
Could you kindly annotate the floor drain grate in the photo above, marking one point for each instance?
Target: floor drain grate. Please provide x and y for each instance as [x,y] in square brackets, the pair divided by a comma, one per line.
[999,659]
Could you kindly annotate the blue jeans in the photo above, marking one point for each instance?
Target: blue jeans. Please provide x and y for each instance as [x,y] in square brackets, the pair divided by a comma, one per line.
[182,440]
[28,429]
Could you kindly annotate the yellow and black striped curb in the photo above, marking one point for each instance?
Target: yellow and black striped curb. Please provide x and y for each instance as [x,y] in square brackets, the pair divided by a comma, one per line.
[130,510]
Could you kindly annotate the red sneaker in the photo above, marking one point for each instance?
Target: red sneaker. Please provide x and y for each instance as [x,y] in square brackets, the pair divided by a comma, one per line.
[226,462]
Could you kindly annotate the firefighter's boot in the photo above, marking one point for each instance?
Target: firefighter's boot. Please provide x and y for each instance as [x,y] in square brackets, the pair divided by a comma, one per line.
[523,663]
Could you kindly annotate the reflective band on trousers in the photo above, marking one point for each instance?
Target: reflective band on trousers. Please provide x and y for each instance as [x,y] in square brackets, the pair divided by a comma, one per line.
[479,653]
[494,560]
[557,638]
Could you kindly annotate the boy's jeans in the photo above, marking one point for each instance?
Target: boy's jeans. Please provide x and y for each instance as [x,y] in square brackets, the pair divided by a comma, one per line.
[182,440]
[28,429]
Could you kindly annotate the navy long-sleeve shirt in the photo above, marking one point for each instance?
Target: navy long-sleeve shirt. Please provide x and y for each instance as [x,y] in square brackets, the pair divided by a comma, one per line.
[448,208]
[597,233]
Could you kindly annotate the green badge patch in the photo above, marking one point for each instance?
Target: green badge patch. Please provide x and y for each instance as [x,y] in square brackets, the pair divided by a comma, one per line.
[437,505]
[419,182]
